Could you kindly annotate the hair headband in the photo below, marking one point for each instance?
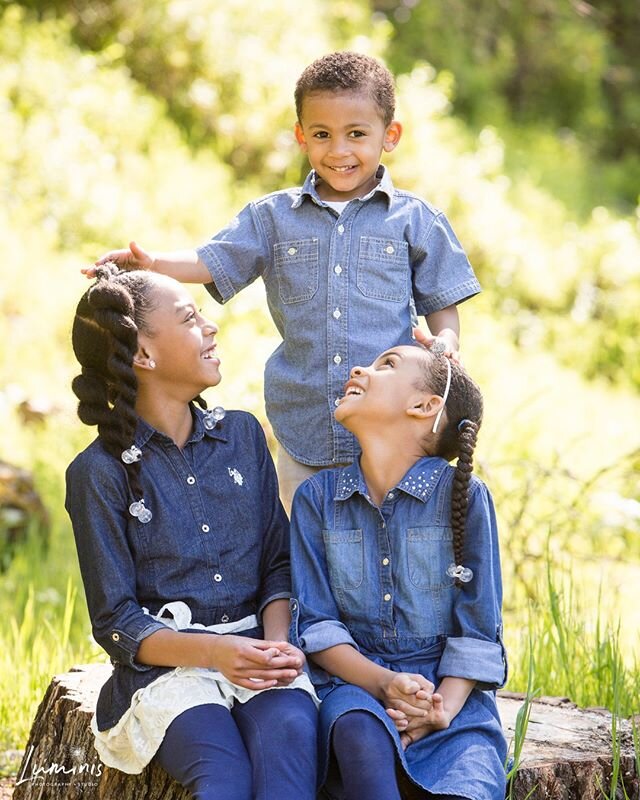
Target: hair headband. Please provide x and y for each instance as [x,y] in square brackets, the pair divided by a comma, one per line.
[438,348]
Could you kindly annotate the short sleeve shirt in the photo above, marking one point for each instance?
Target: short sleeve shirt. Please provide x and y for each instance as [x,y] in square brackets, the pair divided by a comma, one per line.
[340,289]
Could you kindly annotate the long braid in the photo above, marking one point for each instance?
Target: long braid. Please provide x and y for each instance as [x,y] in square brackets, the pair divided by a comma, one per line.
[105,341]
[460,488]
[457,437]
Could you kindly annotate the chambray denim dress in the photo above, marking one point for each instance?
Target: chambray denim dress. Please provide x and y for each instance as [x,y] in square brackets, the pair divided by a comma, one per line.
[340,290]
[375,578]
[218,541]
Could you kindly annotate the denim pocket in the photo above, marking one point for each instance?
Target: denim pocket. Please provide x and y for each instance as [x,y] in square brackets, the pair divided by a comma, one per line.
[345,558]
[429,553]
[383,269]
[296,264]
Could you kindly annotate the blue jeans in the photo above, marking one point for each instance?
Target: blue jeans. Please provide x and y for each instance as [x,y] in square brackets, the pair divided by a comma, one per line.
[264,749]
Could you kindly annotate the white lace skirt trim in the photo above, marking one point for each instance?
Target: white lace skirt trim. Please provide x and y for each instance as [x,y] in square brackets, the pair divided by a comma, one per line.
[134,740]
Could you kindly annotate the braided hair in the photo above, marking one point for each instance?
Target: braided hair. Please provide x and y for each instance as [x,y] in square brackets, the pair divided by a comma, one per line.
[105,341]
[457,437]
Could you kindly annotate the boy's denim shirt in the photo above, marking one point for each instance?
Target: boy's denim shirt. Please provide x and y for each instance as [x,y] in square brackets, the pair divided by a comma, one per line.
[376,578]
[340,289]
[218,540]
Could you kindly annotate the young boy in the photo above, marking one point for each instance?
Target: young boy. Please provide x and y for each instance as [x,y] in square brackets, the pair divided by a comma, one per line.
[347,261]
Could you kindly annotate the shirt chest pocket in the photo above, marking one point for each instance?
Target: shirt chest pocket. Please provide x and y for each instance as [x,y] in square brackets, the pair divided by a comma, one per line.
[345,558]
[429,553]
[383,269]
[296,264]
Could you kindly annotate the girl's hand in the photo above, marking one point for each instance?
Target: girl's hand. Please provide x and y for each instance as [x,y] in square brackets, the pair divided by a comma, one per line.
[438,718]
[408,696]
[133,257]
[253,663]
[288,649]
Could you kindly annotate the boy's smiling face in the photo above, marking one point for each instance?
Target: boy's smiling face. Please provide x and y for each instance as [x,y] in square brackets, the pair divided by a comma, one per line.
[344,135]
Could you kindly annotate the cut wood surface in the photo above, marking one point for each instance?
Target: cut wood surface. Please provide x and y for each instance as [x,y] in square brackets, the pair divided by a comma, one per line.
[567,753]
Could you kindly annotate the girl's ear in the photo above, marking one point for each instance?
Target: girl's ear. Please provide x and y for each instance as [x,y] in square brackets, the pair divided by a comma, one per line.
[143,360]
[426,408]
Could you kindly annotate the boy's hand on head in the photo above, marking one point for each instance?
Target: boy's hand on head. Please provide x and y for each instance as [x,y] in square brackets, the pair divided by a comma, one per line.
[451,342]
[133,257]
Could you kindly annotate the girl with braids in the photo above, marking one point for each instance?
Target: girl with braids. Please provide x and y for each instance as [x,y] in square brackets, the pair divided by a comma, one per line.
[184,553]
[396,580]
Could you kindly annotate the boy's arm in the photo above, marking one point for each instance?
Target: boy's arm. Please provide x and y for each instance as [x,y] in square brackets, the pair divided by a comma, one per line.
[446,325]
[183,265]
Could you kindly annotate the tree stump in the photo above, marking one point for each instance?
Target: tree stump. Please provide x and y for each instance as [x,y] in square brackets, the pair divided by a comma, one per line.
[567,754]
[60,761]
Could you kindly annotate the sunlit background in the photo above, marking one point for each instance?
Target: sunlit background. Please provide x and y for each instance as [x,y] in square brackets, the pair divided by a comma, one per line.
[158,120]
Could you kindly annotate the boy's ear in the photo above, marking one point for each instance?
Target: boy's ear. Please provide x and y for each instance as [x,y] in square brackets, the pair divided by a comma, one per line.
[425,408]
[392,136]
[302,143]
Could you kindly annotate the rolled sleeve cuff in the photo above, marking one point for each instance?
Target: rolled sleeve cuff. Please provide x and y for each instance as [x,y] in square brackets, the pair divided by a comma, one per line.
[322,635]
[474,659]
[270,599]
[221,289]
[122,647]
[449,297]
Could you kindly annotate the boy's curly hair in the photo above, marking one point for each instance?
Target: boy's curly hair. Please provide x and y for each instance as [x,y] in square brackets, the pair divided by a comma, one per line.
[346,71]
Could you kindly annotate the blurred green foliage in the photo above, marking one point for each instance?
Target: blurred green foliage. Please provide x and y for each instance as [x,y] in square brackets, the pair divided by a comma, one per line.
[158,120]
[572,67]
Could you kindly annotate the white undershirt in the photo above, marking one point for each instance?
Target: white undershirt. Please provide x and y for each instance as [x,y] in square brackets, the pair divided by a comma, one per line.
[337,205]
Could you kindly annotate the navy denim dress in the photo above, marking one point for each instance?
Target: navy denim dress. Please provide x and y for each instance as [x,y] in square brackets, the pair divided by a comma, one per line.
[375,578]
[218,540]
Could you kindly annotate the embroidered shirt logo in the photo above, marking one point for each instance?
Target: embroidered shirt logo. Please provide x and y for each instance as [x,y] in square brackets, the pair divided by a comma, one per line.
[237,476]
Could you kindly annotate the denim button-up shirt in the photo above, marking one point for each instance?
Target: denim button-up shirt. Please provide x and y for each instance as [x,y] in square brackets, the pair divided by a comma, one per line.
[376,578]
[218,539]
[340,289]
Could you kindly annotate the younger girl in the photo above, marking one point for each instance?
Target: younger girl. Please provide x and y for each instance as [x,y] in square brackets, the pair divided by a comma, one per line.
[183,548]
[396,575]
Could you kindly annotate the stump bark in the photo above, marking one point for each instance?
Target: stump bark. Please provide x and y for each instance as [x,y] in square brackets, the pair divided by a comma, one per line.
[567,755]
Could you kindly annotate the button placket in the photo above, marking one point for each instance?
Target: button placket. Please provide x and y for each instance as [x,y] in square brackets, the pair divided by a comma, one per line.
[337,330]
[385,575]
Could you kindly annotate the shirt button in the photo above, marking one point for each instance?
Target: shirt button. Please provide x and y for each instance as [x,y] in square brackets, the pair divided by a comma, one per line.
[205,528]
[387,597]
[340,228]
[337,269]
[336,402]
[217,577]
[389,249]
[115,637]
[385,562]
[292,251]
[224,618]
[337,359]
[391,495]
[191,480]
[337,314]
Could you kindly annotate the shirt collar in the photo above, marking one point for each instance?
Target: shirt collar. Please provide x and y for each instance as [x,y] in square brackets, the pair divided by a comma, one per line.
[144,431]
[419,481]
[384,186]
